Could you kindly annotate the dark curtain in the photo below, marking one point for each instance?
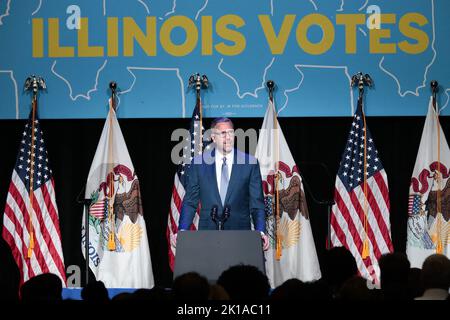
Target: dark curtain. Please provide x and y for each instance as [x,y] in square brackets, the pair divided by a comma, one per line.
[316,144]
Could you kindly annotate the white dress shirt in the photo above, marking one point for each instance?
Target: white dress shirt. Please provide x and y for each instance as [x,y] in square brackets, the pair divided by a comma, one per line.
[219,162]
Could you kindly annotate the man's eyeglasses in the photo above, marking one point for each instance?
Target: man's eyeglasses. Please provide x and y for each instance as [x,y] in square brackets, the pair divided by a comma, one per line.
[225,133]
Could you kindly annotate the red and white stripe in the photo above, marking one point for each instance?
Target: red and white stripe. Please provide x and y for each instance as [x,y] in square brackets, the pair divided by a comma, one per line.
[47,255]
[98,209]
[347,222]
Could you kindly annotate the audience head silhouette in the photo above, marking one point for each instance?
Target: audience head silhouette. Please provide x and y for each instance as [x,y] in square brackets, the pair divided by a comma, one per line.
[436,272]
[42,288]
[340,265]
[394,276]
[292,289]
[355,289]
[191,286]
[95,291]
[244,282]
[415,283]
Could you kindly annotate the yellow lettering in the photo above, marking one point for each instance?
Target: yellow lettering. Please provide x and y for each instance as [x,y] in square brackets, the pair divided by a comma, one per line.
[377,34]
[350,21]
[207,40]
[191,36]
[54,49]
[84,50]
[113,33]
[277,43]
[328,34]
[228,34]
[131,31]
[37,25]
[419,35]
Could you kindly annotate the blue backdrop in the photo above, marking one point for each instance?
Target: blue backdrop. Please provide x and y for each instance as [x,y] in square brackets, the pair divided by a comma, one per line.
[310,48]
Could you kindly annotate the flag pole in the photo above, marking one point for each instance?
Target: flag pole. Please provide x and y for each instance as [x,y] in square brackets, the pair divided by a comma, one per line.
[199,82]
[361,81]
[434,89]
[34,84]
[111,218]
[276,203]
[198,103]
[113,87]
[271,86]
[86,204]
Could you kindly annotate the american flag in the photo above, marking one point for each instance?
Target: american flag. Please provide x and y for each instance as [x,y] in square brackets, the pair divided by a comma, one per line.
[30,220]
[414,204]
[360,214]
[194,145]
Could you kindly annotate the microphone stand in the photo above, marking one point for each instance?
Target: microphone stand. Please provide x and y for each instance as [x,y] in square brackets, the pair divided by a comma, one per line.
[322,202]
[214,216]
[224,217]
[220,220]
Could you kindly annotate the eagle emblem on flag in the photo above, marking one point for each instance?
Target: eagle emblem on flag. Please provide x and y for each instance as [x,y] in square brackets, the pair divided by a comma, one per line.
[423,214]
[116,198]
[291,202]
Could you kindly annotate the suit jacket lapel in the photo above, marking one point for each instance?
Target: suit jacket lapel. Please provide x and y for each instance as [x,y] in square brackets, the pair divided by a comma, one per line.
[235,173]
[211,174]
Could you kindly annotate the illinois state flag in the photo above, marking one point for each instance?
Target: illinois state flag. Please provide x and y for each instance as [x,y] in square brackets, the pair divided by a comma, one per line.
[429,195]
[119,254]
[296,255]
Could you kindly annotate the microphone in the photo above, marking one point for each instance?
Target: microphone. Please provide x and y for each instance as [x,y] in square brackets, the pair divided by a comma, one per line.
[226,213]
[224,217]
[214,214]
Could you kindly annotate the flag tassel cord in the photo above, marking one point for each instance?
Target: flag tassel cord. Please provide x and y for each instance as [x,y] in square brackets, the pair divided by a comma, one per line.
[438,236]
[361,81]
[31,191]
[112,108]
[277,178]
[365,250]
[34,84]
[277,234]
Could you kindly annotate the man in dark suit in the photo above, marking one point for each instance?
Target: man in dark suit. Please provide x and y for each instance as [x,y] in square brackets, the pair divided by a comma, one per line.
[225,178]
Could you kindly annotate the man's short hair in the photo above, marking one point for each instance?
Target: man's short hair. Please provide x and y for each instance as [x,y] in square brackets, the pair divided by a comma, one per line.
[436,272]
[221,120]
